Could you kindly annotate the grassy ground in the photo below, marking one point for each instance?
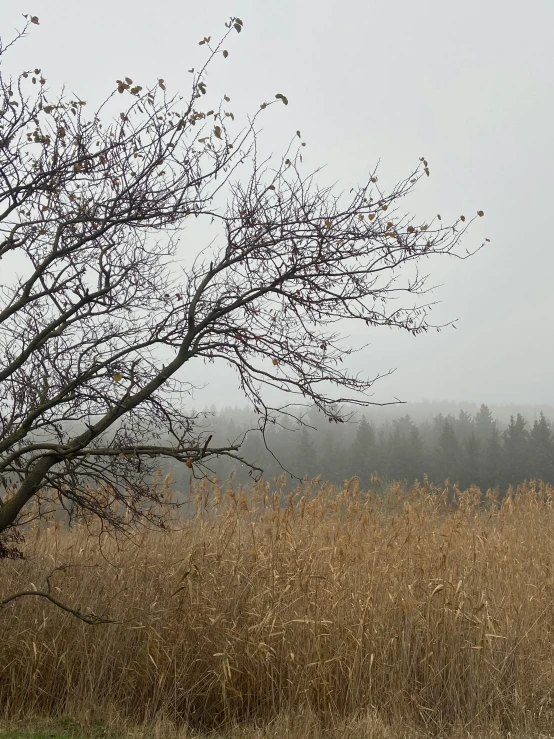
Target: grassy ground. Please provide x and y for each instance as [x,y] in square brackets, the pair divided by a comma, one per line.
[300,729]
[61,729]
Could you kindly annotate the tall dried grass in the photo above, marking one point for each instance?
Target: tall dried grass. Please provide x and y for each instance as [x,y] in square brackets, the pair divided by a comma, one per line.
[323,602]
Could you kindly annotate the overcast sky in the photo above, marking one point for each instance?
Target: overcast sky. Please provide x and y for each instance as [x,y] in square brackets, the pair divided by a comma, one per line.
[467,85]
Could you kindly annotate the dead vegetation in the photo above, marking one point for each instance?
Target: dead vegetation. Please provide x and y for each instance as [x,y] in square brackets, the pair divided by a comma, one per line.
[334,605]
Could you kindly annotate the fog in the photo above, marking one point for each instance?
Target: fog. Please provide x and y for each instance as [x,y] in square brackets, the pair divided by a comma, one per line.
[469,87]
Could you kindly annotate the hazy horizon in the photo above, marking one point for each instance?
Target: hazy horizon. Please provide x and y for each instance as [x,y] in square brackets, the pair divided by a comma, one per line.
[420,410]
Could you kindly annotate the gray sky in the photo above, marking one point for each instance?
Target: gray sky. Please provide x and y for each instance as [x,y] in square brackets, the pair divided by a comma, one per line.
[467,85]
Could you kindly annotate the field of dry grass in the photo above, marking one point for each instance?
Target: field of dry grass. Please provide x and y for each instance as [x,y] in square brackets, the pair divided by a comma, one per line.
[315,611]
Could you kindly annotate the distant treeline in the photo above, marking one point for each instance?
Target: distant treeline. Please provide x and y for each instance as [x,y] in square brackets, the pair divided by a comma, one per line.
[468,448]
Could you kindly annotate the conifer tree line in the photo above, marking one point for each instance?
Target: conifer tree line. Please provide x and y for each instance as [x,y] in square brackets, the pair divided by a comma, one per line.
[467,448]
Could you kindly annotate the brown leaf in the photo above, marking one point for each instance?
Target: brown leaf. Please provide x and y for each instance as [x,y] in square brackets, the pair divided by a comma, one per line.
[480,213]
[225,53]
[217,132]
[283,98]
[34,19]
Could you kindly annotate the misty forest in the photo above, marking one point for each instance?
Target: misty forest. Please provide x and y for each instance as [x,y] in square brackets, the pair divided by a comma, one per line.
[467,446]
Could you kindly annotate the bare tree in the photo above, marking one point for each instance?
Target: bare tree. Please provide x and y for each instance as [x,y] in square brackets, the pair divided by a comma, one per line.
[96,320]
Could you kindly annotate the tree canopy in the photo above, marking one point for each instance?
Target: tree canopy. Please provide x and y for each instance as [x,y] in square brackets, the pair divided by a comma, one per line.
[97,321]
